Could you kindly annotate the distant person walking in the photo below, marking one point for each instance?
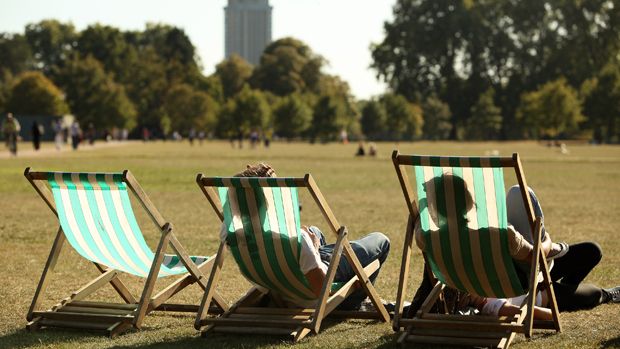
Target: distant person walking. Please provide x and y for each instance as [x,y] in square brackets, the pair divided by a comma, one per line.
[10,130]
[91,133]
[76,135]
[59,138]
[37,131]
[191,136]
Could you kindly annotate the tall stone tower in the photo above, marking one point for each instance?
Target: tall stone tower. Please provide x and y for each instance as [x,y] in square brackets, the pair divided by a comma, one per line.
[248,28]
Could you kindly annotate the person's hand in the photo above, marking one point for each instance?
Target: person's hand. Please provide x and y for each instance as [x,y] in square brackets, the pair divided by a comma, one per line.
[316,242]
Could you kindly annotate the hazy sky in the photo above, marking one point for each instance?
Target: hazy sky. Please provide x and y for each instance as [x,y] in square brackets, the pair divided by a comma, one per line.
[339,30]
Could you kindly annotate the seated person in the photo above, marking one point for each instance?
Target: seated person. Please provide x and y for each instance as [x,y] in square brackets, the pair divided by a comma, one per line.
[316,253]
[571,263]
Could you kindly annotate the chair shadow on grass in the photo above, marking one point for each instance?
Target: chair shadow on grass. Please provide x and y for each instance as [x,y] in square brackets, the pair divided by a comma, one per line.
[611,343]
[23,338]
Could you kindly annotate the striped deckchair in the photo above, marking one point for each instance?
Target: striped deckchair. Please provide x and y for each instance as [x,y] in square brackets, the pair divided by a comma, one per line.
[460,205]
[262,221]
[96,218]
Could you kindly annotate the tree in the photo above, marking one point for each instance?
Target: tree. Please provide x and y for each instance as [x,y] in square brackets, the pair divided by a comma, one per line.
[551,110]
[109,46]
[602,104]
[35,94]
[234,73]
[404,120]
[292,117]
[437,116]
[94,97]
[286,66]
[327,118]
[374,120]
[248,110]
[15,53]
[51,42]
[457,49]
[485,122]
[6,83]
[189,108]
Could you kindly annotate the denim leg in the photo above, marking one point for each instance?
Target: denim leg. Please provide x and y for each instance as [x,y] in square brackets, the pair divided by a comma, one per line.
[517,215]
[367,249]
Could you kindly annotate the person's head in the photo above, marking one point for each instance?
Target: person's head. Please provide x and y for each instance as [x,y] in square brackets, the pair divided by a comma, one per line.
[258,170]
[9,116]
[439,184]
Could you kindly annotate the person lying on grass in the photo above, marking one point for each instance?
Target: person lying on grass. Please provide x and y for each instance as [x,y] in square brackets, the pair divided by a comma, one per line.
[316,253]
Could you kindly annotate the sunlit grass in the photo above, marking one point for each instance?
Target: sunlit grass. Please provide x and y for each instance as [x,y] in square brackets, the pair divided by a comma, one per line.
[579,191]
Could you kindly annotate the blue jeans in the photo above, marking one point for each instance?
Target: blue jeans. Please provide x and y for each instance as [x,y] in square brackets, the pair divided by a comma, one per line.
[367,249]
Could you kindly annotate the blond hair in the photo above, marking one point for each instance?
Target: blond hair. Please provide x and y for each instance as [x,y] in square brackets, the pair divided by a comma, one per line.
[258,170]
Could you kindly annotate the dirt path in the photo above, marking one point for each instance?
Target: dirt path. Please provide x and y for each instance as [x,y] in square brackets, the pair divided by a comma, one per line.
[24,149]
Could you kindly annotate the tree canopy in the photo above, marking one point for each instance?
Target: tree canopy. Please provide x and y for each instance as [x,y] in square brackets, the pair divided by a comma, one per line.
[34,94]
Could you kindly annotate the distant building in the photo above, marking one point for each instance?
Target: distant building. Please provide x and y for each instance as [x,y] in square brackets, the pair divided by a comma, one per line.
[248,28]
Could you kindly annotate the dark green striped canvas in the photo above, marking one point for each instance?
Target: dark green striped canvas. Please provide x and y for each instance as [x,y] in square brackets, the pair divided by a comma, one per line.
[263,233]
[464,224]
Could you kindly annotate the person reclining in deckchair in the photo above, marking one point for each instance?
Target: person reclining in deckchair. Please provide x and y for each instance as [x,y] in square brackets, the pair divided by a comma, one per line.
[572,263]
[316,254]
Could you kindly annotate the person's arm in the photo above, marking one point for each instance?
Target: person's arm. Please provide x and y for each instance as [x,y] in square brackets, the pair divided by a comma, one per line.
[316,278]
[540,313]
[310,257]
[521,249]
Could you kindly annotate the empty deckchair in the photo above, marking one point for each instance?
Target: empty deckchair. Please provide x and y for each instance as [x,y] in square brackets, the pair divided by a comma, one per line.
[460,204]
[97,219]
[262,219]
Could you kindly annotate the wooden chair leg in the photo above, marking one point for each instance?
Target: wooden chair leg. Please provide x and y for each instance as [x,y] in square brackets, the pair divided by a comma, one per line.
[403,276]
[210,289]
[49,267]
[152,277]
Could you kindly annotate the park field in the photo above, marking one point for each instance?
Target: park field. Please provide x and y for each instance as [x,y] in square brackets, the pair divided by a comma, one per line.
[579,191]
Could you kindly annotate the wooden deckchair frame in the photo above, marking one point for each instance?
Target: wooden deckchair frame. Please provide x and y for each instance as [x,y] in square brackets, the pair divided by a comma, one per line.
[114,318]
[295,322]
[492,331]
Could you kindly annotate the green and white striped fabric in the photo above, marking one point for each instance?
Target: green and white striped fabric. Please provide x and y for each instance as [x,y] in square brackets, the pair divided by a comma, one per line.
[462,204]
[263,233]
[97,218]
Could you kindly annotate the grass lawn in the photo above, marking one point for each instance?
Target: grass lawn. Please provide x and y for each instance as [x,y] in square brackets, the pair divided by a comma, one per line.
[579,191]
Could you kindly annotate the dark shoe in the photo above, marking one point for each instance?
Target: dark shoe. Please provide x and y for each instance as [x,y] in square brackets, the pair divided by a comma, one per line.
[613,294]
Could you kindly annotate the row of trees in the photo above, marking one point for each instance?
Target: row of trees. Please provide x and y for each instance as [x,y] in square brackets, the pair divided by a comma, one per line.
[153,79]
[457,69]
[509,68]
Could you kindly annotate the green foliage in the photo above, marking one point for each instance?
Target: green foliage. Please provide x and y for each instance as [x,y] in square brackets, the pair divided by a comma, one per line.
[286,66]
[94,97]
[602,104]
[437,119]
[374,120]
[15,53]
[6,83]
[108,46]
[34,94]
[551,110]
[328,118]
[234,73]
[404,120]
[458,49]
[187,108]
[485,122]
[247,111]
[51,42]
[292,116]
